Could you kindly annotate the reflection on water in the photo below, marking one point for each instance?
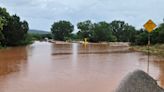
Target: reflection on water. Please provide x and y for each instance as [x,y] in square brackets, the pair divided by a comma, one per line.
[46,67]
[11,59]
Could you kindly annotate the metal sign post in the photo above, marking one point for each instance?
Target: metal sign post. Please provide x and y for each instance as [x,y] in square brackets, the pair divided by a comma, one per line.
[149,26]
[148,52]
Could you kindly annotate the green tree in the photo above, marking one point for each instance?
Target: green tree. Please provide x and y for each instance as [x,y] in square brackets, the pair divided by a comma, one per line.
[141,38]
[154,36]
[4,16]
[4,13]
[1,24]
[161,33]
[102,32]
[85,28]
[74,36]
[123,31]
[129,34]
[62,30]
[1,28]
[157,36]
[15,31]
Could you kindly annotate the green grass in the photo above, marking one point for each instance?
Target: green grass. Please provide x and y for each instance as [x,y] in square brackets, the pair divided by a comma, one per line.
[157,49]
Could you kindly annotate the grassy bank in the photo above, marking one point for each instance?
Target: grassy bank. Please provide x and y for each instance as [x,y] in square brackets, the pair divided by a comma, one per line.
[157,49]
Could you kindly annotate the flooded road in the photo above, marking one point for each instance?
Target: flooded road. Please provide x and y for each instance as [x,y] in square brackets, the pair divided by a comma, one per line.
[46,67]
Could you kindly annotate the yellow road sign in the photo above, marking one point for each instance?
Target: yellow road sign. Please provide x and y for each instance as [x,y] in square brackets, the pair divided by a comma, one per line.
[149,25]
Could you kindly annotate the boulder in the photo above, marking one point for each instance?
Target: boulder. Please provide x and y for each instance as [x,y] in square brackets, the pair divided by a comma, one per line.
[138,81]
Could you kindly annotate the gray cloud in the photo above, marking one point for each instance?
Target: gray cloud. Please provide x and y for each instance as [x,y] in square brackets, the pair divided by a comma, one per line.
[42,13]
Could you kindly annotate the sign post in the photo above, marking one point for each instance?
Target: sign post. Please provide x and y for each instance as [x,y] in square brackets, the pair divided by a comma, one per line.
[149,26]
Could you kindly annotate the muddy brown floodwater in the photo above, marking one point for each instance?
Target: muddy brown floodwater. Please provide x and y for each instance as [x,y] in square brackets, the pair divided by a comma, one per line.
[46,67]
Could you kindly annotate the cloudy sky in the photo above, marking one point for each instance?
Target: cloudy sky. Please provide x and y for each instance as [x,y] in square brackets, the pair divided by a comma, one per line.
[41,14]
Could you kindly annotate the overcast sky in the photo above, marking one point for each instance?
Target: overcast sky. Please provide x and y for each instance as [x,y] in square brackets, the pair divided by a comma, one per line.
[41,14]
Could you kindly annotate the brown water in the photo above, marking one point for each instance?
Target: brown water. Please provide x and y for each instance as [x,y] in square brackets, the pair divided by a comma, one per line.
[46,67]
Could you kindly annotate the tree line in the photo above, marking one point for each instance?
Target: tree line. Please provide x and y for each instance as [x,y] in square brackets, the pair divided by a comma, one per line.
[116,31]
[13,31]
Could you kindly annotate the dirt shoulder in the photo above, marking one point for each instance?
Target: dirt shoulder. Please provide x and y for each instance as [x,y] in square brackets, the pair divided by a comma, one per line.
[157,49]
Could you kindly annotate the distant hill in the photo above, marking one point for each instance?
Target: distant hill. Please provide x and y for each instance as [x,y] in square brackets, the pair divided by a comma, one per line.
[34,31]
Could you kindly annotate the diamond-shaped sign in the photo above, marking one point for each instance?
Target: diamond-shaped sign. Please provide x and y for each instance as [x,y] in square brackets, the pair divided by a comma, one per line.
[150,25]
